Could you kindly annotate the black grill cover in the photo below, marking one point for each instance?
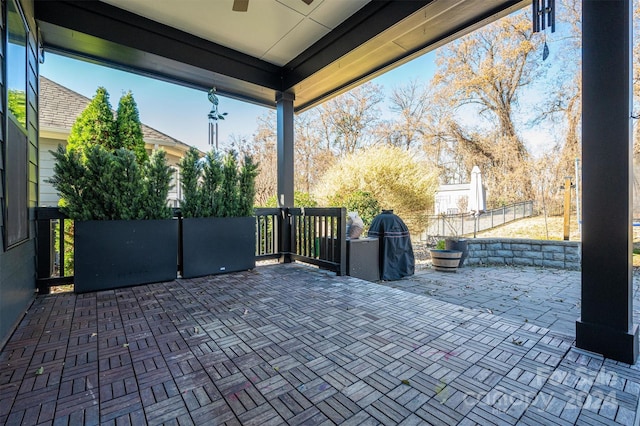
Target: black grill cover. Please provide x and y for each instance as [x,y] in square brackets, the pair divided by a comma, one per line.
[396,252]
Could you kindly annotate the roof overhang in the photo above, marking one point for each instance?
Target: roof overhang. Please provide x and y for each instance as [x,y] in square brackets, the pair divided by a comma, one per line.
[380,36]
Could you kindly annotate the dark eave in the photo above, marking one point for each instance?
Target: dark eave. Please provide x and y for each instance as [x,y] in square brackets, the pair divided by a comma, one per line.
[379,37]
[104,34]
[322,74]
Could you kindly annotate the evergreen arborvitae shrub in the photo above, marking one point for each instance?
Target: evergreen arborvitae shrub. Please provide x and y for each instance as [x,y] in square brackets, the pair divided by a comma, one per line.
[127,187]
[98,193]
[129,128]
[157,184]
[111,185]
[94,126]
[190,171]
[104,174]
[228,194]
[247,186]
[212,178]
[69,180]
[212,187]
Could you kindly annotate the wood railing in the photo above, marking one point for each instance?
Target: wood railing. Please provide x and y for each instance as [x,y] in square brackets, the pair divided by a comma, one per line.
[318,236]
[311,235]
[269,223]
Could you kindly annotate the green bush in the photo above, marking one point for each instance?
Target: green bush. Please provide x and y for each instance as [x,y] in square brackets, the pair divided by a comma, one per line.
[212,178]
[228,193]
[68,231]
[214,187]
[191,171]
[156,187]
[247,186]
[359,201]
[105,172]
[94,126]
[129,128]
[111,185]
[300,199]
[396,178]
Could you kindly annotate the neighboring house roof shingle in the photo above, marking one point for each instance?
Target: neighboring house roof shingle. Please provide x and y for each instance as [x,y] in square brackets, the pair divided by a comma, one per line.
[60,106]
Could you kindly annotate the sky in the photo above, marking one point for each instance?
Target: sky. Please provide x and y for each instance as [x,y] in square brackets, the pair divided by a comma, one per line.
[181,112]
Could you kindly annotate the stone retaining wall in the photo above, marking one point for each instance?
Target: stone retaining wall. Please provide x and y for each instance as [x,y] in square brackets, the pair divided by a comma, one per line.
[512,251]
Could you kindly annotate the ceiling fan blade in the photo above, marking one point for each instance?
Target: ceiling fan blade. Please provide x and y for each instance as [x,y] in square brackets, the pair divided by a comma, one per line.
[241,5]
[308,1]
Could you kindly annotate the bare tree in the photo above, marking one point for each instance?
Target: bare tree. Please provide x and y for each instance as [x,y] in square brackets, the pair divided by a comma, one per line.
[411,103]
[488,67]
[485,72]
[349,120]
[240,144]
[312,157]
[567,99]
[263,148]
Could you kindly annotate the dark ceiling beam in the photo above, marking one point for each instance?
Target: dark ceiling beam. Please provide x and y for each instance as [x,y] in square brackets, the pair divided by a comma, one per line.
[373,19]
[122,28]
[483,17]
[101,52]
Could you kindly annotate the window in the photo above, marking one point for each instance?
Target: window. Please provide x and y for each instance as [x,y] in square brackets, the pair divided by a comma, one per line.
[16,189]
[17,66]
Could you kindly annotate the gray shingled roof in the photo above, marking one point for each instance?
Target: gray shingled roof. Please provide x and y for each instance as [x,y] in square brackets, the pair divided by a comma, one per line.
[60,106]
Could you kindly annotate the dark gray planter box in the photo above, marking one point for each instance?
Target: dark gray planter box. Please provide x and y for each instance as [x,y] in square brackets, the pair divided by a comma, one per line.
[363,258]
[120,253]
[217,245]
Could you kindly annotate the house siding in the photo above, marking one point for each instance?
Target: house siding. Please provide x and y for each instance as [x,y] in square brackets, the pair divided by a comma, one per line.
[48,195]
[18,263]
[452,199]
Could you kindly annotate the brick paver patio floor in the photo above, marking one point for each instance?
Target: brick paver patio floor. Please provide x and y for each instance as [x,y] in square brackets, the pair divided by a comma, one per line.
[289,344]
[546,297]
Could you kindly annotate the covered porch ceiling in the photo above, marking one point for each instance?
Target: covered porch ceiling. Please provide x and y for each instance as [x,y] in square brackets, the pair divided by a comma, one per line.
[313,51]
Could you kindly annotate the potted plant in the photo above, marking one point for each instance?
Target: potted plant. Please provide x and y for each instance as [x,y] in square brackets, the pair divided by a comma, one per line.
[218,226]
[454,242]
[443,259]
[457,244]
[124,232]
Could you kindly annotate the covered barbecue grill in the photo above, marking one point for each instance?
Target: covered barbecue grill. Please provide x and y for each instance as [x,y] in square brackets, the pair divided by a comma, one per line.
[396,253]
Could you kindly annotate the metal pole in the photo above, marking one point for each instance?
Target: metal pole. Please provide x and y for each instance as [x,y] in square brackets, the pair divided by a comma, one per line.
[567,206]
[475,225]
[578,197]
